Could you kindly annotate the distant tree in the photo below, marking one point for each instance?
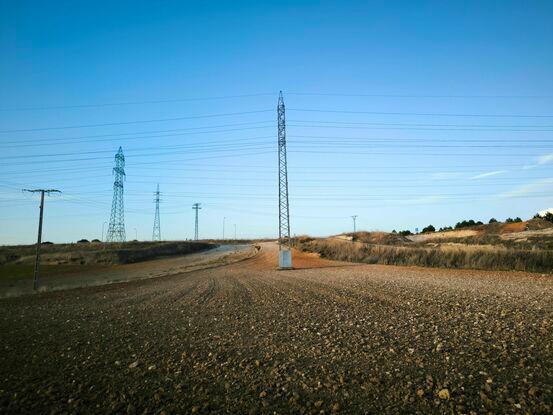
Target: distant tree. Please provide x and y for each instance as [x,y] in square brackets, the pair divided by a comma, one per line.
[517,219]
[429,229]
[493,220]
[446,228]
[95,241]
[47,243]
[83,241]
[394,231]
[466,224]
[548,217]
[511,220]
[405,233]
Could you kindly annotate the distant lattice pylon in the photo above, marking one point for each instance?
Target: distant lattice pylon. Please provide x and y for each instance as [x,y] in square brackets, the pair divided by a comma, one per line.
[156,235]
[116,229]
[285,247]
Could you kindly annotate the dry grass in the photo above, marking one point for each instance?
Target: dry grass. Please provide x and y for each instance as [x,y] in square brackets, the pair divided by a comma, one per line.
[448,256]
[98,253]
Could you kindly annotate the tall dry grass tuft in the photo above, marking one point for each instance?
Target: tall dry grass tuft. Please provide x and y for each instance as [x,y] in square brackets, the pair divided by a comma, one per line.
[476,257]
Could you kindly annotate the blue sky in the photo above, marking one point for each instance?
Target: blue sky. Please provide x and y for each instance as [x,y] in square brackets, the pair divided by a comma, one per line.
[403,113]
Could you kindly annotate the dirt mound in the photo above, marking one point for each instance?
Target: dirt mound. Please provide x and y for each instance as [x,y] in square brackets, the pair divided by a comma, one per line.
[380,238]
[537,224]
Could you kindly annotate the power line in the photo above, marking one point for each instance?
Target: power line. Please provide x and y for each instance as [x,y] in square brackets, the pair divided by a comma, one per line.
[318,94]
[141,134]
[113,104]
[66,127]
[433,114]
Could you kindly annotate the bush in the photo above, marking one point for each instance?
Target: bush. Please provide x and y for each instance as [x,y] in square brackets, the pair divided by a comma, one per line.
[515,220]
[493,220]
[429,229]
[467,224]
[474,257]
[548,217]
[82,241]
[405,233]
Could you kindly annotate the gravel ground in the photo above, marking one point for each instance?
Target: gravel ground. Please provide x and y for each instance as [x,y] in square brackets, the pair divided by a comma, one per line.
[245,338]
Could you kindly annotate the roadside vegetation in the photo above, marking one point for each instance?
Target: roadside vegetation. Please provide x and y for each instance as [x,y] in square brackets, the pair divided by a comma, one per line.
[86,253]
[511,245]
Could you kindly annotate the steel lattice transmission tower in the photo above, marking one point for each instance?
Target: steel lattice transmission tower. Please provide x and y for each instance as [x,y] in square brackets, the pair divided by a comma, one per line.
[156,235]
[196,207]
[116,229]
[285,249]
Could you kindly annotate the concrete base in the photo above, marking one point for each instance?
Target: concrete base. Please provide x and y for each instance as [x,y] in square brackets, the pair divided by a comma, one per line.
[285,259]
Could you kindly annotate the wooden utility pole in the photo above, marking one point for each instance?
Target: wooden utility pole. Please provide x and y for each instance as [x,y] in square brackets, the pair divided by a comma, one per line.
[36,280]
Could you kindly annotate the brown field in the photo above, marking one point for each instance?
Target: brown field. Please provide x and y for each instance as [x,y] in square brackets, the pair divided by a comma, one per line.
[327,337]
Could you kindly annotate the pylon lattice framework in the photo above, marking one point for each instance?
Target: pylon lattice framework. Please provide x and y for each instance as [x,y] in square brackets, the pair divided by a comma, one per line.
[196,207]
[283,209]
[156,235]
[116,229]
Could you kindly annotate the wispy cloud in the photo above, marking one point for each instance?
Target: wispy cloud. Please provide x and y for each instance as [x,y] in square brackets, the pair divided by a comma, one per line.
[540,161]
[529,188]
[488,174]
[545,159]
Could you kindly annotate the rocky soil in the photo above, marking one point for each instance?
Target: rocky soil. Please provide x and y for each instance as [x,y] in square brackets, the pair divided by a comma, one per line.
[327,338]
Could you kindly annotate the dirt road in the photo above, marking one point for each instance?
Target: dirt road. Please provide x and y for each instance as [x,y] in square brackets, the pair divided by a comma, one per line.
[246,338]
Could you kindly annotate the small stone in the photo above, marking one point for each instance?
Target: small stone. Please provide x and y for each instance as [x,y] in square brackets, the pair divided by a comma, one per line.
[318,404]
[335,407]
[420,393]
[263,394]
[195,409]
[133,364]
[151,367]
[443,394]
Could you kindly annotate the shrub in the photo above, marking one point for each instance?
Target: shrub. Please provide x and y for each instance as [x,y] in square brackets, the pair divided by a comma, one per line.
[405,233]
[496,258]
[429,229]
[466,224]
[493,220]
[511,220]
[548,217]
[82,241]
